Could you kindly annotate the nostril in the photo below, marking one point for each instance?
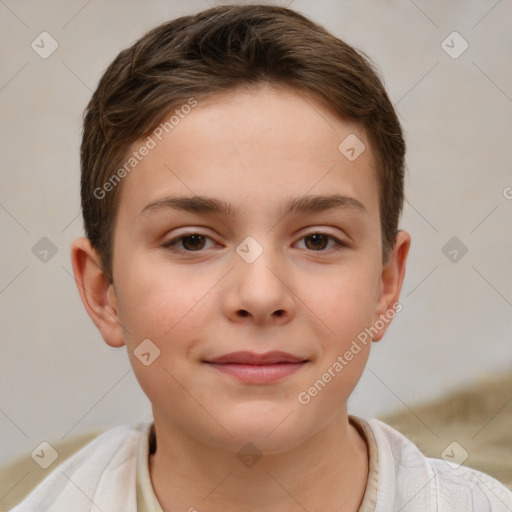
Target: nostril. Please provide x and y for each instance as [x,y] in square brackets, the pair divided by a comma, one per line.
[243,312]
[279,313]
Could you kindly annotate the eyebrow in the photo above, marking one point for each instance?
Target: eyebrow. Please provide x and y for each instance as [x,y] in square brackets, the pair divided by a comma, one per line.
[210,205]
[324,202]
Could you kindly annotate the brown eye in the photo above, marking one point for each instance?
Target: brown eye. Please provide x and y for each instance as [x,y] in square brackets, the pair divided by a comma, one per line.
[321,242]
[193,242]
[316,242]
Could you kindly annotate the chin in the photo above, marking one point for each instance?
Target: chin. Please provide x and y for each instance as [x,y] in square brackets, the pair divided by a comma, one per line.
[271,429]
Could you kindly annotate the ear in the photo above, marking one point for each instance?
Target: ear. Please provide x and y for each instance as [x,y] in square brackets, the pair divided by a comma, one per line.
[96,293]
[392,278]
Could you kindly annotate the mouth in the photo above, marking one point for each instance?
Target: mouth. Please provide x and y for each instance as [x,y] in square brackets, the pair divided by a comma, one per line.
[253,368]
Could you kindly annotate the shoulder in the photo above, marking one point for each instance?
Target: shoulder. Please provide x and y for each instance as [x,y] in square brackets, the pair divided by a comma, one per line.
[410,481]
[101,473]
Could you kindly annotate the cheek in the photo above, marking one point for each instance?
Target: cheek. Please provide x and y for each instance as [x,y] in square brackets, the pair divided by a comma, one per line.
[346,310]
[343,302]
[158,302]
[172,311]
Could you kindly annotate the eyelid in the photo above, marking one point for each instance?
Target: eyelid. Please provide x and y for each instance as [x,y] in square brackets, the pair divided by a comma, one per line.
[341,235]
[188,231]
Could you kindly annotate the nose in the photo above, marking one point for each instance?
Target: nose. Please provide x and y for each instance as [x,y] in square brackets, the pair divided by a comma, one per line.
[259,292]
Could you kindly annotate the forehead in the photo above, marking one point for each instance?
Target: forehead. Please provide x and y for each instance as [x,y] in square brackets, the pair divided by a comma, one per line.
[252,147]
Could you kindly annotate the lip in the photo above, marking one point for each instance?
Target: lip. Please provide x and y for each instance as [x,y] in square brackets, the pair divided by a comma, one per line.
[254,358]
[254,368]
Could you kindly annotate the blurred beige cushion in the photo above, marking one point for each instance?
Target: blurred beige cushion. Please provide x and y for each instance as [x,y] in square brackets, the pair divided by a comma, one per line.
[478,418]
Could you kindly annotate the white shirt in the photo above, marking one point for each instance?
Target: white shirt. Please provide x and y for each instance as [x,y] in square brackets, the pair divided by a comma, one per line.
[111,473]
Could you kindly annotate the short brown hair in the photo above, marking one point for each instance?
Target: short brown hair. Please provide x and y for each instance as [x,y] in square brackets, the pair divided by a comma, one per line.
[218,50]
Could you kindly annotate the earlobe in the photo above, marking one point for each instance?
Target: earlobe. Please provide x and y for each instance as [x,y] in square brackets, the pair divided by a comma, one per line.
[392,278]
[96,293]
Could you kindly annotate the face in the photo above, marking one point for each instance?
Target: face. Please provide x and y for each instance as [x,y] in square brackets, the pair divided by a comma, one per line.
[247,249]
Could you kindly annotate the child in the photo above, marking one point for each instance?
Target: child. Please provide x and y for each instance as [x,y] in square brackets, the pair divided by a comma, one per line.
[242,182]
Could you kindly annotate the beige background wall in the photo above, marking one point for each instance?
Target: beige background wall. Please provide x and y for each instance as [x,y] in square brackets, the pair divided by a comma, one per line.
[57,377]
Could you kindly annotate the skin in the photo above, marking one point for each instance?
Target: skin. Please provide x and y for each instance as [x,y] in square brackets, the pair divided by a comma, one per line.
[255,149]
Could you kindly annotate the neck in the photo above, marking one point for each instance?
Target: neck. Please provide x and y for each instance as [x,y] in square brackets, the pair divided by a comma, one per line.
[328,471]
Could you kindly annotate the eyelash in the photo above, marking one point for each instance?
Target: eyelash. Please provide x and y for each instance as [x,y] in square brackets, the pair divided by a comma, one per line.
[171,244]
